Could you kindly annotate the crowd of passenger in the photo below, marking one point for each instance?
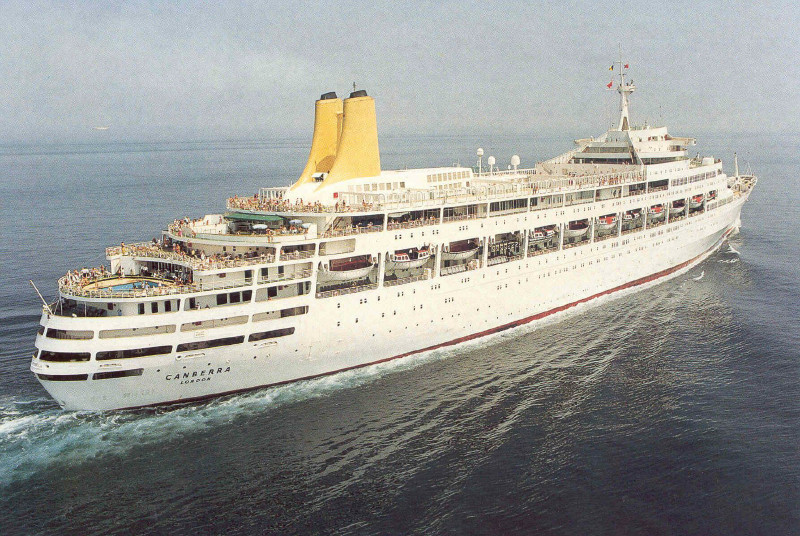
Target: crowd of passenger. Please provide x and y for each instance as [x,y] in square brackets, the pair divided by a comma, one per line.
[277,204]
[166,249]
[84,276]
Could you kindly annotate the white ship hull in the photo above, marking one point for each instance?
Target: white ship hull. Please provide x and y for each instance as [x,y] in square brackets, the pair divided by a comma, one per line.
[395,327]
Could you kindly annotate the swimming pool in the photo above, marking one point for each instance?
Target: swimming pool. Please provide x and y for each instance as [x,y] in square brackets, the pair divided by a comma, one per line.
[135,285]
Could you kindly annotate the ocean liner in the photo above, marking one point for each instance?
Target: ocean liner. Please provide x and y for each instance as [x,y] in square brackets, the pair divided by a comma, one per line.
[353,265]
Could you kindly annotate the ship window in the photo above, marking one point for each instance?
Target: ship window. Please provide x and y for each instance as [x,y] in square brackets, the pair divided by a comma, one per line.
[134,332]
[222,299]
[141,308]
[41,330]
[214,323]
[235,297]
[133,353]
[65,334]
[117,374]
[63,377]
[247,295]
[167,306]
[47,355]
[192,303]
[199,345]
[270,334]
[154,307]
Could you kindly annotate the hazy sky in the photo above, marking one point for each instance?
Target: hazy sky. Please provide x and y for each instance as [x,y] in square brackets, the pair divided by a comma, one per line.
[200,70]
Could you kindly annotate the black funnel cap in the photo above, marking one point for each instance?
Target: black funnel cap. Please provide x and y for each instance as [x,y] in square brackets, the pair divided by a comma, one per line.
[328,95]
[359,93]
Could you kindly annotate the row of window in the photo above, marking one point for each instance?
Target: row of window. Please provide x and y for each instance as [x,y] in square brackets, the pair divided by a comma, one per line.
[47,355]
[694,178]
[155,306]
[96,376]
[449,176]
[54,333]
[375,186]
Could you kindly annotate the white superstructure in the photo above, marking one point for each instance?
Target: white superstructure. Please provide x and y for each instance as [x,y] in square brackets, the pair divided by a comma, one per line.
[354,265]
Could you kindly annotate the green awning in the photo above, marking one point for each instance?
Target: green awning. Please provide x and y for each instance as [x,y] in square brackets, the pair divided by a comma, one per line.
[246,216]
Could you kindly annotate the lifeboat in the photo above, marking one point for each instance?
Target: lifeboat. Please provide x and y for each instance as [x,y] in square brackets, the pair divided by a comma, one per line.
[351,269]
[408,258]
[677,207]
[606,223]
[696,201]
[459,250]
[576,228]
[540,235]
[631,215]
[655,213]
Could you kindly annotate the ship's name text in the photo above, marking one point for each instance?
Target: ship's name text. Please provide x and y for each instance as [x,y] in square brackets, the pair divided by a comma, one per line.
[196,376]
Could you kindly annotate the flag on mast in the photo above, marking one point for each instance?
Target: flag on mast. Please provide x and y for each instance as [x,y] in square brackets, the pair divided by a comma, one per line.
[626,65]
[610,84]
[611,68]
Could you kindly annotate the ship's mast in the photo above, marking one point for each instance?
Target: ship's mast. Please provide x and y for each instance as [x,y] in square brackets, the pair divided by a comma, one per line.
[624,89]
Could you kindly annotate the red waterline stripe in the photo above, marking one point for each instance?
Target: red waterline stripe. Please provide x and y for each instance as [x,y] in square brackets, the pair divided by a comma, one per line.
[498,329]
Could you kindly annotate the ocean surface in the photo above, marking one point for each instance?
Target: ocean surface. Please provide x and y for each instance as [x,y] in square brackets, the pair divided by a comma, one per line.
[671,410]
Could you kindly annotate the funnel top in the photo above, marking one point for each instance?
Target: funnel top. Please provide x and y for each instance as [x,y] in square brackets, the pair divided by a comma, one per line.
[327,96]
[359,93]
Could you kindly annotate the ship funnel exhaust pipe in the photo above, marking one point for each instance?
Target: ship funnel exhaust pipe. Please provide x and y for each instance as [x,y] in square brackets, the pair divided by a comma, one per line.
[327,131]
[357,154]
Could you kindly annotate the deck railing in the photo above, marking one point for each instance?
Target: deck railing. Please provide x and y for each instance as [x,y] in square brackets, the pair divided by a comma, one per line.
[347,290]
[458,268]
[485,187]
[152,251]
[333,233]
[78,289]
[405,280]
[300,274]
[296,255]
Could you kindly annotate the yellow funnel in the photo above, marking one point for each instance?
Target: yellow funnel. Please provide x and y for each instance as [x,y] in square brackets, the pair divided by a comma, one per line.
[327,128]
[357,155]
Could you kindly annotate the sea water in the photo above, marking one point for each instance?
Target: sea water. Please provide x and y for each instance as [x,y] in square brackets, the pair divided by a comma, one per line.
[671,410]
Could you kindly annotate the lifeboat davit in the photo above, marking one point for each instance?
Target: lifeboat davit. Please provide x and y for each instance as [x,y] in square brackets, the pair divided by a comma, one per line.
[677,207]
[348,269]
[576,228]
[459,250]
[408,259]
[696,201]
